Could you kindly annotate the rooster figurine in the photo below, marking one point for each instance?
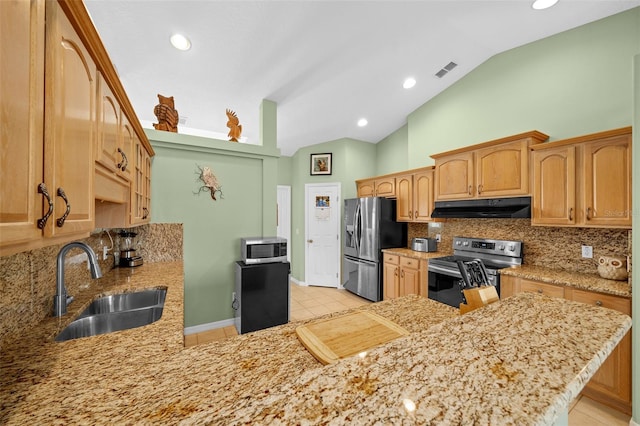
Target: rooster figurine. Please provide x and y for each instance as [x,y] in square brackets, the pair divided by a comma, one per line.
[235,128]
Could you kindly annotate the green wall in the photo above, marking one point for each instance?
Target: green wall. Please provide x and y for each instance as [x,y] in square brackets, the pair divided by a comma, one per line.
[570,84]
[284,170]
[351,160]
[212,229]
[391,152]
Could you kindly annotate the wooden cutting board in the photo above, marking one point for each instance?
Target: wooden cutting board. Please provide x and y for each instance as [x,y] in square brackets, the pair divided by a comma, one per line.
[332,339]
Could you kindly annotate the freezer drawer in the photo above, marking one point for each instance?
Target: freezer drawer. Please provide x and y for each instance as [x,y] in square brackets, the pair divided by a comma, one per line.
[363,278]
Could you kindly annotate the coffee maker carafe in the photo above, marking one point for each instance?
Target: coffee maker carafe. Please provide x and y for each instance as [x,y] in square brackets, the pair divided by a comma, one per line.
[128,257]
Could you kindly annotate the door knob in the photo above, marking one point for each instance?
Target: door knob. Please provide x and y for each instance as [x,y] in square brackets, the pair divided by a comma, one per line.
[309,241]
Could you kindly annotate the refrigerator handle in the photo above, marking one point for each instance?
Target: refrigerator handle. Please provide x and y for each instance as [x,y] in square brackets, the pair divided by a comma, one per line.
[357,231]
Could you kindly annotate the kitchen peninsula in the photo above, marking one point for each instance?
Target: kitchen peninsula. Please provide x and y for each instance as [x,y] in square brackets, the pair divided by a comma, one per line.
[519,361]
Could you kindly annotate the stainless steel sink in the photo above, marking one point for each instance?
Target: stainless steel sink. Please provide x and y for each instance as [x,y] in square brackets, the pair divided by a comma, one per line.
[115,313]
[125,302]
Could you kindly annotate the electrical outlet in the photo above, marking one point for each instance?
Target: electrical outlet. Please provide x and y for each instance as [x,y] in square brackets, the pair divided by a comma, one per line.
[105,249]
[438,238]
[587,251]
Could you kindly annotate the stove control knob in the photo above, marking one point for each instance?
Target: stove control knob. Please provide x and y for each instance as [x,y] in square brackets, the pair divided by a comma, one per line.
[501,247]
[458,243]
[466,243]
[512,247]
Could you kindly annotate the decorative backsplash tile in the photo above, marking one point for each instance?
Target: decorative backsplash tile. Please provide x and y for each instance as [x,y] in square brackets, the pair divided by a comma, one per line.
[552,247]
[28,279]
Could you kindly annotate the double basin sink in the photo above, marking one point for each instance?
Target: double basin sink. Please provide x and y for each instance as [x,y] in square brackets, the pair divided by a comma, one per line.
[116,312]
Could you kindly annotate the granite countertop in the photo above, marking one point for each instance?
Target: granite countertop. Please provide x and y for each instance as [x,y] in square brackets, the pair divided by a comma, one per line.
[402,251]
[457,369]
[591,282]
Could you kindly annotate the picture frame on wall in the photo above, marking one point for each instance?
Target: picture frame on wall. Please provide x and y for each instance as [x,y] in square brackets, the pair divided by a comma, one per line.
[320,164]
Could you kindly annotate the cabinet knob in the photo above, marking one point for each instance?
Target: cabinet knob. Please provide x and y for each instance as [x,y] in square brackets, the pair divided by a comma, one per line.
[42,189]
[598,302]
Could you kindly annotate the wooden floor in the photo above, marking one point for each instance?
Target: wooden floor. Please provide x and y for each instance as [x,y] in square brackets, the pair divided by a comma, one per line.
[309,302]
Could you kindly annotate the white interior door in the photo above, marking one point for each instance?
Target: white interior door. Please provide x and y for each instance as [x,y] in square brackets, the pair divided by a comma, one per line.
[322,232]
[284,216]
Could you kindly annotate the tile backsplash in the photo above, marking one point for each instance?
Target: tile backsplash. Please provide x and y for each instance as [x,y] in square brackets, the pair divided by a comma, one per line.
[28,279]
[551,247]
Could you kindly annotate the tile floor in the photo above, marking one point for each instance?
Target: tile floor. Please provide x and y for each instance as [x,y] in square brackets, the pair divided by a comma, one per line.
[309,302]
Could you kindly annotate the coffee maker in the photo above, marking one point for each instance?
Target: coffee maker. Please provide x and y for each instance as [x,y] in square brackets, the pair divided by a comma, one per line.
[128,257]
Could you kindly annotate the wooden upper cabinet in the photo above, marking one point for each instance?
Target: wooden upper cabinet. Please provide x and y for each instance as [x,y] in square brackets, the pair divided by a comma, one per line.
[455,179]
[414,192]
[108,128]
[127,143]
[607,181]
[503,170]
[498,168]
[383,186]
[141,191]
[70,84]
[554,190]
[583,181]
[22,105]
[404,200]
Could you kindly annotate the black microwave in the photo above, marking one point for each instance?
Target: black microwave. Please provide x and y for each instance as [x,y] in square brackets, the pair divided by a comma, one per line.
[263,250]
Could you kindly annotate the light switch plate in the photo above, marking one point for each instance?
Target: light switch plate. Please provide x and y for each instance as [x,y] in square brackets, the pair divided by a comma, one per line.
[587,251]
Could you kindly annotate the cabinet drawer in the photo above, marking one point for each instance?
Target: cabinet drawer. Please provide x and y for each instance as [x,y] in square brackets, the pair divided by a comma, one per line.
[620,304]
[541,288]
[393,259]
[409,262]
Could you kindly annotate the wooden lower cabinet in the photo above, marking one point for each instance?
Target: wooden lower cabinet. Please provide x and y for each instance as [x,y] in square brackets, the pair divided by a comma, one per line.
[403,275]
[611,384]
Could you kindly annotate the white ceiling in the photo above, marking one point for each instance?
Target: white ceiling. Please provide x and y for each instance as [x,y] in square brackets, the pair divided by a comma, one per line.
[325,63]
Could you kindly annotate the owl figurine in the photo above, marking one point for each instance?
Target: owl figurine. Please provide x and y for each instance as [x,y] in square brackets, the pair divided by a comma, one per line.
[613,268]
[167,114]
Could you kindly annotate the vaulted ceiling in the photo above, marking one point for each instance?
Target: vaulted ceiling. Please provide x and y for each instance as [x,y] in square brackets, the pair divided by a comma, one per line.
[326,63]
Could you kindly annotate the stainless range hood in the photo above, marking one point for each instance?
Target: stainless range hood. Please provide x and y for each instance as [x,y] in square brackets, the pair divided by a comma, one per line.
[505,208]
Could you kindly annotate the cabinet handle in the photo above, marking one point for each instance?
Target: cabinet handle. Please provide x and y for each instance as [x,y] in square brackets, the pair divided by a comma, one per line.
[480,189]
[416,215]
[125,161]
[146,213]
[588,213]
[571,213]
[410,214]
[470,187]
[395,272]
[540,290]
[61,219]
[598,302]
[402,274]
[42,189]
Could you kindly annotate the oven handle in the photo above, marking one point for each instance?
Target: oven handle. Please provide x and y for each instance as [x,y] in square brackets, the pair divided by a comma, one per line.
[444,271]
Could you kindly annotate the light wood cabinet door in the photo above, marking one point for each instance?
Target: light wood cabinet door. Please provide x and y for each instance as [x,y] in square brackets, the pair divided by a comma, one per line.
[607,182]
[391,277]
[385,187]
[404,202]
[612,382]
[108,146]
[69,126]
[503,170]
[366,188]
[21,120]
[409,276]
[455,177]
[508,286]
[141,193]
[423,202]
[126,144]
[554,186]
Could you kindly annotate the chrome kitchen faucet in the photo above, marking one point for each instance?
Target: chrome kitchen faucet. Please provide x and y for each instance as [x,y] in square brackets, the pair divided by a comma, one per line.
[61,299]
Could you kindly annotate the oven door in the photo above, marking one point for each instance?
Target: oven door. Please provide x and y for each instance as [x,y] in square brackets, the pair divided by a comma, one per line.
[444,286]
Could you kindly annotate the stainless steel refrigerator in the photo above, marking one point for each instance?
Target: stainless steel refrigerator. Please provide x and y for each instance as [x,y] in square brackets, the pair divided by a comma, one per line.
[370,226]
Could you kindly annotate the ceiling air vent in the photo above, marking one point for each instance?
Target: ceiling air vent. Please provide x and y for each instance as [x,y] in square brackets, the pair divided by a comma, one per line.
[182,120]
[446,69]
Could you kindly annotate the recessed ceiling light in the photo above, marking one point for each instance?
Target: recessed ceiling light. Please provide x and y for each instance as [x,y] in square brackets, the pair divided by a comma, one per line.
[409,83]
[543,4]
[180,42]
[362,122]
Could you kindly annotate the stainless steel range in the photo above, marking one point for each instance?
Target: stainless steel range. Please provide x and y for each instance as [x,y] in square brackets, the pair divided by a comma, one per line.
[444,273]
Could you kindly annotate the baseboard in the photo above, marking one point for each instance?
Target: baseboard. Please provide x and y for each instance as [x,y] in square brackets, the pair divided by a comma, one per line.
[208,326]
[298,282]
[632,423]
